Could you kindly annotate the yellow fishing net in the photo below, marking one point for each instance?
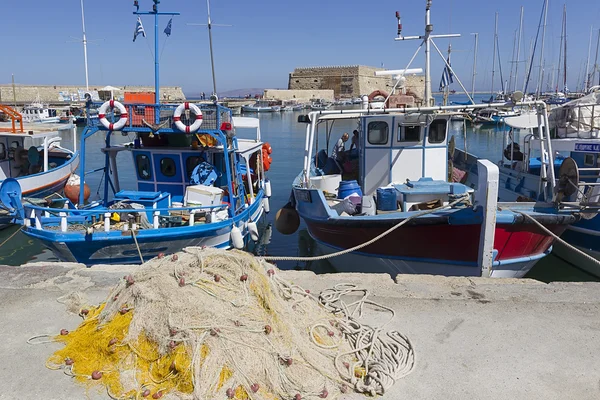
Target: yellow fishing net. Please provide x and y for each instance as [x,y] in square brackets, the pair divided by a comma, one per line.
[214,324]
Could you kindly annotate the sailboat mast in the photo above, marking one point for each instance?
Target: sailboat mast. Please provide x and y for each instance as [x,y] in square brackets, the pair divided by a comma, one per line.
[596,67]
[212,59]
[518,50]
[529,61]
[85,58]
[565,51]
[494,52]
[474,64]
[512,62]
[541,70]
[586,84]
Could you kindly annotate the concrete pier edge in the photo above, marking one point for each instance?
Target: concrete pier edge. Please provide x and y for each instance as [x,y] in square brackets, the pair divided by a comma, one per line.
[478,338]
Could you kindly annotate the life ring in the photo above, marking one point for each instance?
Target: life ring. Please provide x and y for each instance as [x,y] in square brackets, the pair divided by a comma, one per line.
[177,118]
[112,104]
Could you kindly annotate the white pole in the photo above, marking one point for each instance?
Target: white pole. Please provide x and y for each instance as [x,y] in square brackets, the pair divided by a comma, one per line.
[541,70]
[428,30]
[85,60]
[519,50]
[474,63]
[587,66]
[489,177]
[494,55]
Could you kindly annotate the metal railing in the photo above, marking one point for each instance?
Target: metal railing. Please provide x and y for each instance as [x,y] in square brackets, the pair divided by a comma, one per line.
[41,216]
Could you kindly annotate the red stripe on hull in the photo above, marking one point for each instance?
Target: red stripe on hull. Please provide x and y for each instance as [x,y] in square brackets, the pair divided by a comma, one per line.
[513,241]
[443,242]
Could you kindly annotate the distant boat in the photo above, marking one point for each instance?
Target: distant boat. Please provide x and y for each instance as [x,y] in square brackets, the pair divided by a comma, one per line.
[259,106]
[37,112]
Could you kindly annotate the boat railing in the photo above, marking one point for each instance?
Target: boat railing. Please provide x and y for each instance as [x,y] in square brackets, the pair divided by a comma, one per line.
[158,118]
[44,216]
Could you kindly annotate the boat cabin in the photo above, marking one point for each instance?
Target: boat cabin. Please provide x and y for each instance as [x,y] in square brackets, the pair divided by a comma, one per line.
[392,148]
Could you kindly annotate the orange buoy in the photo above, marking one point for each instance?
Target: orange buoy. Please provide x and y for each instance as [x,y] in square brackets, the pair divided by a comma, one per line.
[72,189]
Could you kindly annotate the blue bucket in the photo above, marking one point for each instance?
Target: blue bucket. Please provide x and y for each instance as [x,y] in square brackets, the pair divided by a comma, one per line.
[346,188]
[387,199]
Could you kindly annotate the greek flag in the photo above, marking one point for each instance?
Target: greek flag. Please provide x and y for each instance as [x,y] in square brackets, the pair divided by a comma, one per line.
[168,28]
[139,29]
[447,77]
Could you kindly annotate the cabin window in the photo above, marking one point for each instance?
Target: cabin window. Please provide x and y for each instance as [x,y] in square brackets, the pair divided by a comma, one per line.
[437,131]
[378,132]
[588,160]
[142,162]
[2,151]
[409,133]
[167,167]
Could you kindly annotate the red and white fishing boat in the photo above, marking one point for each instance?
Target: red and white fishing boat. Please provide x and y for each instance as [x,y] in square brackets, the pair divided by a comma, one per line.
[392,208]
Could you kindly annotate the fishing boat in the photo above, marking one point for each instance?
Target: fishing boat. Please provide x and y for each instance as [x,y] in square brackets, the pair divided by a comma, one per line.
[572,158]
[392,208]
[258,107]
[37,112]
[31,154]
[196,183]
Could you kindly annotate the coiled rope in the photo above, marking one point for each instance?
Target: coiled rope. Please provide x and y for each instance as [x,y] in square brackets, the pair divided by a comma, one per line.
[463,198]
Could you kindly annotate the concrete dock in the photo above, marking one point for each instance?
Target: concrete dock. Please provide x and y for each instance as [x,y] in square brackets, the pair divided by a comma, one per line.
[474,338]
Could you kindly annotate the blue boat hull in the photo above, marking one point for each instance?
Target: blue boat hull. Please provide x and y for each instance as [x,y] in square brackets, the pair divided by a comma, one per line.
[117,247]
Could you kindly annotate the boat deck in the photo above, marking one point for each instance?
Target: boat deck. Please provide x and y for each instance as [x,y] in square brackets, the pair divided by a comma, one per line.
[34,128]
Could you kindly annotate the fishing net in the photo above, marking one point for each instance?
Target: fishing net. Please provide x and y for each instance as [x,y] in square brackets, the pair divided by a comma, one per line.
[214,324]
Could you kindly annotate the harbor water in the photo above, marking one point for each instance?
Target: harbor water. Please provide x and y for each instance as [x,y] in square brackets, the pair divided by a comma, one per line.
[287,138]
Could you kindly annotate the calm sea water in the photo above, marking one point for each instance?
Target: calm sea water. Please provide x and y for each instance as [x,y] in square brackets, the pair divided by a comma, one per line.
[286,137]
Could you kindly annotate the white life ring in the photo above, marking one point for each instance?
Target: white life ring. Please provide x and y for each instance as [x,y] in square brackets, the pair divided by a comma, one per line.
[111,104]
[177,117]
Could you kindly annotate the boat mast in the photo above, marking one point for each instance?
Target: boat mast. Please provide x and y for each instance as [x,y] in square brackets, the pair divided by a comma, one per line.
[518,50]
[428,30]
[565,51]
[85,58]
[474,63]
[495,42]
[447,87]
[212,60]
[596,67]
[512,63]
[538,89]
[586,84]
[156,55]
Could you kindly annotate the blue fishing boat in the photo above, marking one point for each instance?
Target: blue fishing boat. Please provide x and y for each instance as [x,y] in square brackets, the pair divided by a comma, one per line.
[197,183]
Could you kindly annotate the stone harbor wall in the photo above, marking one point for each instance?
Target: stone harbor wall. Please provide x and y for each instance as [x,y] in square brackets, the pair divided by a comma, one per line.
[71,93]
[351,81]
[299,95]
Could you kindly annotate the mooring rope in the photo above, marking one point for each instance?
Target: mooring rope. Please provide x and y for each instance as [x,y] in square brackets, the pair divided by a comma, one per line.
[369,242]
[555,236]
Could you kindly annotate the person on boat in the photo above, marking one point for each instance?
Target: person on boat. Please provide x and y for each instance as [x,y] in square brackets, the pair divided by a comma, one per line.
[339,150]
[354,143]
[513,153]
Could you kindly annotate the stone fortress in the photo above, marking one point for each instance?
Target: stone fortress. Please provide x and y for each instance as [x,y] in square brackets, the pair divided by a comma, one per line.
[350,81]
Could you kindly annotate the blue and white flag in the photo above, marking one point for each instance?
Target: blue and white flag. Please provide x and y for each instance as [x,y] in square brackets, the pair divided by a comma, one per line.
[447,77]
[168,28]
[139,29]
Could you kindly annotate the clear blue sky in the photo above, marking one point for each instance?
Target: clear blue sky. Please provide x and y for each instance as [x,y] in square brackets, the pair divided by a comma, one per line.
[270,38]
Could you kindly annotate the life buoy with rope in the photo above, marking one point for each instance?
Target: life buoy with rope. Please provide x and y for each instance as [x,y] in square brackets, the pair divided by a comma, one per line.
[193,128]
[111,105]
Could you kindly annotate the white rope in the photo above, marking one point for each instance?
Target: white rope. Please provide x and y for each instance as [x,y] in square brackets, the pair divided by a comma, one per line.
[369,242]
[575,249]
